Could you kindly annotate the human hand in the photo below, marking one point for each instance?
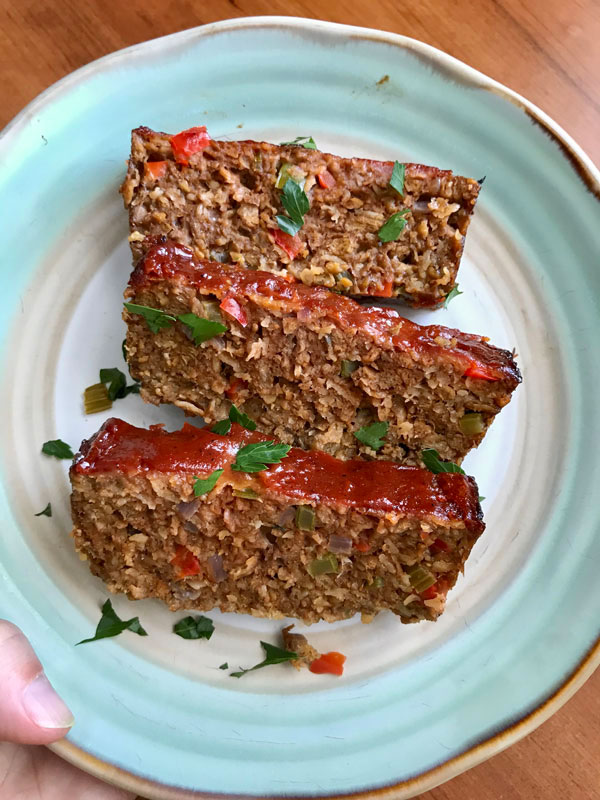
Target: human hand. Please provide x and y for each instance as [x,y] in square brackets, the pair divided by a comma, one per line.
[31,713]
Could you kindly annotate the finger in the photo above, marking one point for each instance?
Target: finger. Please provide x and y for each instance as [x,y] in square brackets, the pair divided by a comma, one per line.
[30,710]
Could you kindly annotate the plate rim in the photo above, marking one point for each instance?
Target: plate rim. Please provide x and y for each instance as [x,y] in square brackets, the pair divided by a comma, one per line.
[589,175]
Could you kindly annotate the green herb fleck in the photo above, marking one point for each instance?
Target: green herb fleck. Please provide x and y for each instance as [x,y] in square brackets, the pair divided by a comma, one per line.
[302,141]
[57,448]
[194,628]
[373,435]
[111,625]
[206,485]
[397,179]
[47,512]
[202,329]
[123,350]
[454,292]
[255,457]
[273,655]
[481,498]
[433,462]
[224,666]
[222,427]
[392,229]
[155,318]
[235,415]
[295,202]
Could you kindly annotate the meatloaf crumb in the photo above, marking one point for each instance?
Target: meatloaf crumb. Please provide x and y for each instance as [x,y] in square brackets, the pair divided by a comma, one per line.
[225,201]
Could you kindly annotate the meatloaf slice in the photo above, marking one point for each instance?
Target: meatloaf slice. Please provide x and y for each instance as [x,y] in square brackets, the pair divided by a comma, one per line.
[311,537]
[222,200]
[310,366]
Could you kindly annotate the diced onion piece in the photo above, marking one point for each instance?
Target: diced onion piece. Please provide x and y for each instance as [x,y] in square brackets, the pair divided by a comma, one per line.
[286,517]
[95,398]
[340,544]
[305,518]
[323,566]
[187,510]
[348,367]
[471,424]
[215,569]
[247,493]
[329,663]
[420,578]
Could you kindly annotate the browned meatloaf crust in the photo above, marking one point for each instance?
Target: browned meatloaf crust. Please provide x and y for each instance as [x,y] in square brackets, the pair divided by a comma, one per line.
[224,205]
[311,367]
[382,537]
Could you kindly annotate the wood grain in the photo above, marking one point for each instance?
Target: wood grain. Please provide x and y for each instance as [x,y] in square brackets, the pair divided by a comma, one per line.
[546,50]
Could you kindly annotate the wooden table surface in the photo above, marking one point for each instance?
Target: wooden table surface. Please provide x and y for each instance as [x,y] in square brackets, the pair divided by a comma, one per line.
[546,50]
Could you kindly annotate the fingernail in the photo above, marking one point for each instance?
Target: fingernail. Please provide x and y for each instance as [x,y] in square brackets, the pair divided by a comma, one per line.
[43,706]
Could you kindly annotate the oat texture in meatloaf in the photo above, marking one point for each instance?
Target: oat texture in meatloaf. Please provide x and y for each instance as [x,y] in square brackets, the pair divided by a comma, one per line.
[310,366]
[311,537]
[222,199]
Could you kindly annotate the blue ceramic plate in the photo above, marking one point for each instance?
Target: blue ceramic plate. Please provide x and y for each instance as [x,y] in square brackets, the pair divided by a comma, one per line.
[417,704]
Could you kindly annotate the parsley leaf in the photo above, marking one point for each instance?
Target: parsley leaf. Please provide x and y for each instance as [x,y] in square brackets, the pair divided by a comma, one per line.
[202,329]
[296,203]
[397,179]
[373,435]
[255,457]
[206,485]
[194,628]
[111,625]
[155,318]
[273,655]
[224,666]
[47,512]
[117,384]
[433,462]
[235,415]
[222,427]
[57,448]
[481,498]
[392,229]
[454,292]
[302,141]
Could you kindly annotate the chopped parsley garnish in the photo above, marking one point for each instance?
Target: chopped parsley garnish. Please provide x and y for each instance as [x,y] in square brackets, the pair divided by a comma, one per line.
[155,318]
[397,179]
[302,141]
[481,498]
[235,415]
[392,229]
[201,329]
[373,435]
[194,628]
[433,462]
[255,457]
[117,383]
[57,448]
[111,625]
[454,292]
[481,180]
[224,666]
[273,655]
[47,512]
[123,350]
[206,485]
[295,202]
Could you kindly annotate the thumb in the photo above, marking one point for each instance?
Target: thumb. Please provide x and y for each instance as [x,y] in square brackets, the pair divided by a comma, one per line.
[30,710]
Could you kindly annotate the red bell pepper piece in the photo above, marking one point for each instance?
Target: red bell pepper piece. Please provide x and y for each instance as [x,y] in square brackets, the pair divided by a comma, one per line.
[235,385]
[326,179]
[330,663]
[155,169]
[430,592]
[440,544]
[361,545]
[386,291]
[232,307]
[291,245]
[186,143]
[477,371]
[185,562]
